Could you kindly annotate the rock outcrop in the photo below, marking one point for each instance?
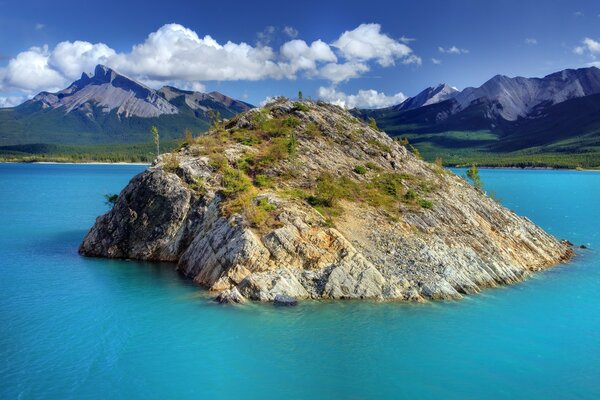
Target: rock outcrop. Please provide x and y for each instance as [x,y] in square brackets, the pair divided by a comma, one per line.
[305,201]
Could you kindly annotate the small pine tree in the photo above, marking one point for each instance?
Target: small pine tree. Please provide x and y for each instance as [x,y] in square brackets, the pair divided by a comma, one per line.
[216,121]
[155,139]
[110,199]
[373,123]
[416,152]
[300,95]
[473,175]
[188,137]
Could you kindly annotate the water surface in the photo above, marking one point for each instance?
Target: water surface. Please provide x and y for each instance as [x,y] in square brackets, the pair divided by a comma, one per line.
[77,328]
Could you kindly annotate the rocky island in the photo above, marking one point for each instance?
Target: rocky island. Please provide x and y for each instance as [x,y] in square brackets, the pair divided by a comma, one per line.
[301,200]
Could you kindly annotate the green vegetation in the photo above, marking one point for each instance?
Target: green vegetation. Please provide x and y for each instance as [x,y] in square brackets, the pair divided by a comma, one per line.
[465,148]
[155,139]
[235,181]
[360,169]
[373,123]
[137,153]
[110,199]
[298,106]
[198,186]
[383,191]
[380,146]
[473,175]
[170,162]
[425,203]
[415,151]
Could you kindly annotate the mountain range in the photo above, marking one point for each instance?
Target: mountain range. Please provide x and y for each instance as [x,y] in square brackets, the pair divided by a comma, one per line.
[557,115]
[108,107]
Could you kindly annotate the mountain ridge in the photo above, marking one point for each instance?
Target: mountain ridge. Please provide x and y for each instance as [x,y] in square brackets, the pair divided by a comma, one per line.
[506,115]
[108,107]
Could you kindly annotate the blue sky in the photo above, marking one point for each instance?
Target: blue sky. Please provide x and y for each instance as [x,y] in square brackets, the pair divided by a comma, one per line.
[406,46]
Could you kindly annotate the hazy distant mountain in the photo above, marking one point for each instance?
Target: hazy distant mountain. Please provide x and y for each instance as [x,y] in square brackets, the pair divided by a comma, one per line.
[108,107]
[504,114]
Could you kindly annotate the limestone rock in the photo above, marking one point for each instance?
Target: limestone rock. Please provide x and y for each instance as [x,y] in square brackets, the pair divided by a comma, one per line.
[273,242]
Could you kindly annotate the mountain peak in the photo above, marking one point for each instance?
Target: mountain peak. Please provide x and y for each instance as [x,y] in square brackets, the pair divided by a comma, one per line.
[431,95]
[104,73]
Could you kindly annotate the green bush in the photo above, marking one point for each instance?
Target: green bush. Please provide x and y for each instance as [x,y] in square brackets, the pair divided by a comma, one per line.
[298,106]
[360,169]
[235,182]
[110,199]
[170,162]
[425,203]
[198,186]
[410,195]
[263,181]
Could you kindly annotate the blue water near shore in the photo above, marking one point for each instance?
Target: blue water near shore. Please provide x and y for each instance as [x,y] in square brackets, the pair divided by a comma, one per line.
[77,328]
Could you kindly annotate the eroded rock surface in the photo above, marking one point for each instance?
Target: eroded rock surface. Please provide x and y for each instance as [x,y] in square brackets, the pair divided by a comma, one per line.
[432,237]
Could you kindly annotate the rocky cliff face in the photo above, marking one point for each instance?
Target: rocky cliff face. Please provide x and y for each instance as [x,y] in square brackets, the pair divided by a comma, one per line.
[303,200]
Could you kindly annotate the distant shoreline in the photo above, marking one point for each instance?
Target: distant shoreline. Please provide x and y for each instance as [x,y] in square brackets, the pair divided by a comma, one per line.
[73,163]
[148,163]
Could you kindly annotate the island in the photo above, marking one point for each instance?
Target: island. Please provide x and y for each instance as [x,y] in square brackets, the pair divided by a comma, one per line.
[302,200]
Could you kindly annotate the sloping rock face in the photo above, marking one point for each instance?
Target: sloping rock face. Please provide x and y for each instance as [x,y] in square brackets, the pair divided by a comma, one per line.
[303,200]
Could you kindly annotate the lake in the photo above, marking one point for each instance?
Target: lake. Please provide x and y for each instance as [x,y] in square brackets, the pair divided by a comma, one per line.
[79,328]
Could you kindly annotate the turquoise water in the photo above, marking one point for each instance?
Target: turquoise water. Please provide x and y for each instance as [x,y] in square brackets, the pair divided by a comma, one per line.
[77,328]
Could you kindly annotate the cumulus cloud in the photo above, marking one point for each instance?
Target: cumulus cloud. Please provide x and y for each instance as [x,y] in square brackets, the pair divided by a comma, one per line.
[342,72]
[299,56]
[452,50]
[589,46]
[30,71]
[368,43]
[362,99]
[174,54]
[72,58]
[436,61]
[39,27]
[531,41]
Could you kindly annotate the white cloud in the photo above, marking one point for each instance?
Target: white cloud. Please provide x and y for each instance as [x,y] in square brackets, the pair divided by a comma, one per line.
[174,54]
[452,50]
[578,14]
[299,56]
[412,59]
[39,27]
[29,71]
[362,99]
[589,46]
[406,40]
[265,37]
[436,61]
[72,58]
[531,41]
[290,31]
[368,43]
[342,72]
